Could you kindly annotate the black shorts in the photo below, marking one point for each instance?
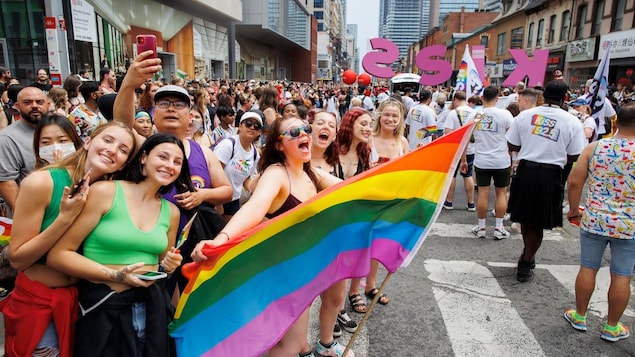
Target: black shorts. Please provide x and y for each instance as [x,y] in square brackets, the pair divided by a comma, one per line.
[535,195]
[470,165]
[484,177]
[230,208]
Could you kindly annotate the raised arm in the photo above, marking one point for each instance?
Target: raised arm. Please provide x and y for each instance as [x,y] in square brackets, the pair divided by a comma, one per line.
[141,70]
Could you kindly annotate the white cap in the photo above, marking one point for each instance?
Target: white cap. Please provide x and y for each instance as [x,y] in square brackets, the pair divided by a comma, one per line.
[251,115]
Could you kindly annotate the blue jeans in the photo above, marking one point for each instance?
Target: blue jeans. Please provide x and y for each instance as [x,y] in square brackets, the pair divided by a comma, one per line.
[592,248]
[49,339]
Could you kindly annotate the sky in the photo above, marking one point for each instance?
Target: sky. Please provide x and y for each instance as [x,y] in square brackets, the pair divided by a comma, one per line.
[364,13]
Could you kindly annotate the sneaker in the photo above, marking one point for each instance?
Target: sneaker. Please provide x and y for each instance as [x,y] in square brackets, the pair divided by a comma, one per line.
[471,207]
[479,232]
[448,205]
[525,271]
[506,216]
[337,331]
[336,350]
[576,323]
[614,336]
[345,322]
[515,227]
[500,233]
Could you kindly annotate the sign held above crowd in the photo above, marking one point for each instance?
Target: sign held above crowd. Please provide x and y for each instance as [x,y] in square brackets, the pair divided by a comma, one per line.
[430,59]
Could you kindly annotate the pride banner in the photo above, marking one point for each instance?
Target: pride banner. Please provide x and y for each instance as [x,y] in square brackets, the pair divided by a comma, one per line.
[243,299]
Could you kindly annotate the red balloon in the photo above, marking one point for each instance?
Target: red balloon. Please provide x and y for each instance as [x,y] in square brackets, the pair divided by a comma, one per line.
[363,79]
[349,76]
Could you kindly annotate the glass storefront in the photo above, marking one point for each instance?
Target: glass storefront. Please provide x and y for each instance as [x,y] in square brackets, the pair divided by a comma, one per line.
[22,37]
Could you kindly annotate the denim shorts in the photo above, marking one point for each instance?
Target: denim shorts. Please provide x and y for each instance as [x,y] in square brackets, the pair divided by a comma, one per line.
[49,339]
[592,248]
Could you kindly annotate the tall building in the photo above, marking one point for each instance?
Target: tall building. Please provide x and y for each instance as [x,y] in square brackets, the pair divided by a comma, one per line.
[403,21]
[492,5]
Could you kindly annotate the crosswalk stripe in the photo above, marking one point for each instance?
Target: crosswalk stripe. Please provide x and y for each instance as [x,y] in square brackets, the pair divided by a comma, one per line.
[477,314]
[465,231]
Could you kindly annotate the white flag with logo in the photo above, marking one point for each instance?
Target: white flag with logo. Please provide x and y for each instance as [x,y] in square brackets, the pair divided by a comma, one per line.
[468,78]
[599,87]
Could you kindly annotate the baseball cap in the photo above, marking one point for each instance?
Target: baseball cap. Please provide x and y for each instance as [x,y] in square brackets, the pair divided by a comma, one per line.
[578,102]
[172,91]
[251,115]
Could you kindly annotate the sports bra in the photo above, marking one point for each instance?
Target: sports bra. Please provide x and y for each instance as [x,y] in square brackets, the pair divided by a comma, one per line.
[117,240]
[288,204]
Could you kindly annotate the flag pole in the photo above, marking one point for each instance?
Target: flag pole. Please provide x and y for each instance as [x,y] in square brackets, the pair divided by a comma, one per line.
[367,314]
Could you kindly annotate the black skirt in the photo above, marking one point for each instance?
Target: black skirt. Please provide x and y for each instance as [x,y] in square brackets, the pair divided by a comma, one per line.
[536,195]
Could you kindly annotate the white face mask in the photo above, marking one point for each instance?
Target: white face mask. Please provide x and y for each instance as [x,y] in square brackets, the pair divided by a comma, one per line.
[46,152]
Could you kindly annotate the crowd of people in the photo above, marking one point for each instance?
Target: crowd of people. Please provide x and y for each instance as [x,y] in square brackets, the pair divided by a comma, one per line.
[101,176]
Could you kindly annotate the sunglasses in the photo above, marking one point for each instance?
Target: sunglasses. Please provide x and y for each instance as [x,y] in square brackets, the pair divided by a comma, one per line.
[295,132]
[248,123]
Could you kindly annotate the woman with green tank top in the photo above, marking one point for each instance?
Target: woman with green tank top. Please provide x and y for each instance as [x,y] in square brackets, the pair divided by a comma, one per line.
[125,229]
[39,315]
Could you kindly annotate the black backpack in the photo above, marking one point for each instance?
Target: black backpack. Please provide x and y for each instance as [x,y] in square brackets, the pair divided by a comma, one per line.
[231,138]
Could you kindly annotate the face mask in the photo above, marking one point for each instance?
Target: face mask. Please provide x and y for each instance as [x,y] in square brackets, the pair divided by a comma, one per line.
[46,152]
[196,126]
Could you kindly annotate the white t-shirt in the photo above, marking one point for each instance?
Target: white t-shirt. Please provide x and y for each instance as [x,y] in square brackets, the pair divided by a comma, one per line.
[408,102]
[239,167]
[607,112]
[512,97]
[367,103]
[490,143]
[419,117]
[546,135]
[452,122]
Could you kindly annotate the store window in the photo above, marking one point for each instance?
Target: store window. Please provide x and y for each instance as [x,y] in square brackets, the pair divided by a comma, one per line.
[541,31]
[566,23]
[530,35]
[598,12]
[579,30]
[552,29]
[501,46]
[618,11]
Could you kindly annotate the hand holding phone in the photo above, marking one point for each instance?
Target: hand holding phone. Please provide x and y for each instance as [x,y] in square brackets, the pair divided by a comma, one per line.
[80,184]
[147,42]
[151,275]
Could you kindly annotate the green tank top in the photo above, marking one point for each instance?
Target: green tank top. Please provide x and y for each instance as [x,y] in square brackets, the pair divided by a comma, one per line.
[117,240]
[61,179]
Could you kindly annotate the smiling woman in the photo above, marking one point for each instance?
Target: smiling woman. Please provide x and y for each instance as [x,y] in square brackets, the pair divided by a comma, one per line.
[126,227]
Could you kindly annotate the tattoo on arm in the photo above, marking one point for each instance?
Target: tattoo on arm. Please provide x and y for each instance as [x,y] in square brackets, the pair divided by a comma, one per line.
[117,275]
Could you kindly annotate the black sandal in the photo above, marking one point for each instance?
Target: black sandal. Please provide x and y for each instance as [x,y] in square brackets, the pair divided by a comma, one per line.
[383,299]
[357,303]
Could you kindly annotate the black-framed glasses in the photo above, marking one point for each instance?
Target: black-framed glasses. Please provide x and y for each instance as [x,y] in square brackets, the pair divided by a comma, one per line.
[177,104]
[248,123]
[296,131]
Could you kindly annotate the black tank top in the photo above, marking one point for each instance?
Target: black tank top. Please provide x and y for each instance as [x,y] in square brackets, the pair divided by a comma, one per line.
[289,203]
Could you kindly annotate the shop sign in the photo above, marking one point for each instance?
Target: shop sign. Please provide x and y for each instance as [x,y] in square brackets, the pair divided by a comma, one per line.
[84,23]
[621,44]
[509,65]
[555,62]
[581,50]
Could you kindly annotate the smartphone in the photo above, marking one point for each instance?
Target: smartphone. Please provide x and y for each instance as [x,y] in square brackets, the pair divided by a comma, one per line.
[151,275]
[80,184]
[147,42]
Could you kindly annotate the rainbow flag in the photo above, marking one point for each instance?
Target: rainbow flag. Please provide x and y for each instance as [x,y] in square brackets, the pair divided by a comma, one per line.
[242,300]
[5,230]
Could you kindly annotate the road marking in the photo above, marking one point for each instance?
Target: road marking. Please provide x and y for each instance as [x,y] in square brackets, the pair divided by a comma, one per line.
[465,231]
[479,318]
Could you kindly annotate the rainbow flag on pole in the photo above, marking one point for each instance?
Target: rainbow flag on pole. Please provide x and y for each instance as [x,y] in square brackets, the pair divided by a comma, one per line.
[242,300]
[5,230]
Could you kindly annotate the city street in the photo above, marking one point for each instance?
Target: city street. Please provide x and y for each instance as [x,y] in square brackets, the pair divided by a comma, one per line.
[460,297]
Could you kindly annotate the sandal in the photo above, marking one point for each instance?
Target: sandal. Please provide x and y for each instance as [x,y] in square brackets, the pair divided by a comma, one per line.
[383,299]
[357,303]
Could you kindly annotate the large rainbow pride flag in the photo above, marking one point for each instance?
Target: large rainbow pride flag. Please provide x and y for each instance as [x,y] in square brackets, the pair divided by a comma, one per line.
[243,299]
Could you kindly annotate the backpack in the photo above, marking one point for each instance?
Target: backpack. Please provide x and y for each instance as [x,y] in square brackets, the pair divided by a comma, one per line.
[233,140]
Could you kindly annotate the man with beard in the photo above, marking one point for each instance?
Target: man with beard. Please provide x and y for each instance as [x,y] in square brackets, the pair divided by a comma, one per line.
[16,143]
[43,82]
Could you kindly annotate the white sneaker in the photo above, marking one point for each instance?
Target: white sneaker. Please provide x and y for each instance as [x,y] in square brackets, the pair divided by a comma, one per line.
[479,232]
[336,350]
[506,216]
[500,233]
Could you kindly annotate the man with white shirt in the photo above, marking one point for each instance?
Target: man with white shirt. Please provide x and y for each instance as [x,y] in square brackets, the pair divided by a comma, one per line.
[459,116]
[520,86]
[407,100]
[491,162]
[546,138]
[421,122]
[607,115]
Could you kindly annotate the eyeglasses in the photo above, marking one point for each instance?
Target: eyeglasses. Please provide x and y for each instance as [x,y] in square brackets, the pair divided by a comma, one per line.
[295,132]
[177,104]
[248,123]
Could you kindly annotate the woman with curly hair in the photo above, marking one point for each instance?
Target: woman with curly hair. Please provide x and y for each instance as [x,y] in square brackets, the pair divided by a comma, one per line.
[146,100]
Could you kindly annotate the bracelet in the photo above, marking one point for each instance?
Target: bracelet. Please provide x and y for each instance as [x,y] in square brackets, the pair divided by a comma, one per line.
[225,233]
